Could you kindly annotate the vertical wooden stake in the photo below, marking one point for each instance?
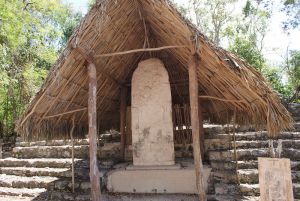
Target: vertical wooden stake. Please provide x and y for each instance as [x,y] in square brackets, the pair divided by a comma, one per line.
[201,129]
[123,120]
[92,112]
[72,141]
[193,90]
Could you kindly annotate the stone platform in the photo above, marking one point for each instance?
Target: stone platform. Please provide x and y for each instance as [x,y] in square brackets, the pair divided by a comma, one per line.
[159,179]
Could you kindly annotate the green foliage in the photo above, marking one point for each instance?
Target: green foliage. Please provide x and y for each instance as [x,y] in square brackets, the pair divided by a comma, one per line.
[275,77]
[244,33]
[211,16]
[31,36]
[247,9]
[294,69]
[91,3]
[292,10]
[247,50]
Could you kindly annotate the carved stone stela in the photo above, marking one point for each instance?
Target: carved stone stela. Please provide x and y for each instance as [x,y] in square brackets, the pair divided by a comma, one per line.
[154,169]
[275,179]
[152,126]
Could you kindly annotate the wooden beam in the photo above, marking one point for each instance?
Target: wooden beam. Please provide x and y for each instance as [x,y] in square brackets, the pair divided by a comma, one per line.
[123,120]
[64,113]
[91,60]
[92,115]
[222,99]
[142,50]
[194,104]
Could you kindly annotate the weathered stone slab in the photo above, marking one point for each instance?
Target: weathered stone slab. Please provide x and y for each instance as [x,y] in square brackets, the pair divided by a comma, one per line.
[160,167]
[152,126]
[155,181]
[275,179]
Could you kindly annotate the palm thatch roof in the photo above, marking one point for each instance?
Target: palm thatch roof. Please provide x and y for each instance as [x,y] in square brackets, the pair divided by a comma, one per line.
[122,25]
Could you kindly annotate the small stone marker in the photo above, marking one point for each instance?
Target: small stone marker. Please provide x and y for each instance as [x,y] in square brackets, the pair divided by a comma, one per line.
[275,179]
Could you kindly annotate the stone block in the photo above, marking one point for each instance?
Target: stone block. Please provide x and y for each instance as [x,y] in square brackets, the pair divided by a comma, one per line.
[157,180]
[152,125]
[275,179]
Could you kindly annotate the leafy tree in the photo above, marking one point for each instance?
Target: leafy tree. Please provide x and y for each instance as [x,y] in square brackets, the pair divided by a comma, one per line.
[294,73]
[275,77]
[244,31]
[292,9]
[32,33]
[211,16]
[91,3]
[248,50]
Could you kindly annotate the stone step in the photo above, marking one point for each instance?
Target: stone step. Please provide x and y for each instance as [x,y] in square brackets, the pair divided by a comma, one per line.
[223,144]
[247,189]
[135,197]
[57,195]
[251,154]
[212,129]
[253,136]
[242,154]
[251,164]
[109,150]
[49,183]
[17,198]
[81,173]
[245,176]
[51,151]
[13,181]
[145,197]
[13,194]
[42,162]
[52,143]
[22,192]
[232,198]
[250,176]
[232,189]
[65,185]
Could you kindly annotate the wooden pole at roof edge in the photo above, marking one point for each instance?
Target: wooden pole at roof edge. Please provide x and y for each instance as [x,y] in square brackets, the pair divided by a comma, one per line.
[123,121]
[72,141]
[92,116]
[194,104]
[201,129]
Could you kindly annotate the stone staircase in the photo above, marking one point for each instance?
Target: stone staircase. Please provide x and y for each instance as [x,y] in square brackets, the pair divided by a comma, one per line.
[42,170]
[237,174]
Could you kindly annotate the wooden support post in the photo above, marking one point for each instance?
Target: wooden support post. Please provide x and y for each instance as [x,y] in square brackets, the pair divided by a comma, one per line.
[72,141]
[92,115]
[194,103]
[201,130]
[123,120]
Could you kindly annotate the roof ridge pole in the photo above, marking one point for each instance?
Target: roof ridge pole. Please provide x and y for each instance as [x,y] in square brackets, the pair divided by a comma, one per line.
[92,118]
[194,104]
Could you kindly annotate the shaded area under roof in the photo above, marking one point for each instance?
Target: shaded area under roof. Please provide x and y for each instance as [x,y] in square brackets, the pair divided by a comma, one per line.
[120,25]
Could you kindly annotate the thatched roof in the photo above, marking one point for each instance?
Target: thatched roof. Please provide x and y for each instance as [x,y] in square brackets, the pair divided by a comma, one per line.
[121,25]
